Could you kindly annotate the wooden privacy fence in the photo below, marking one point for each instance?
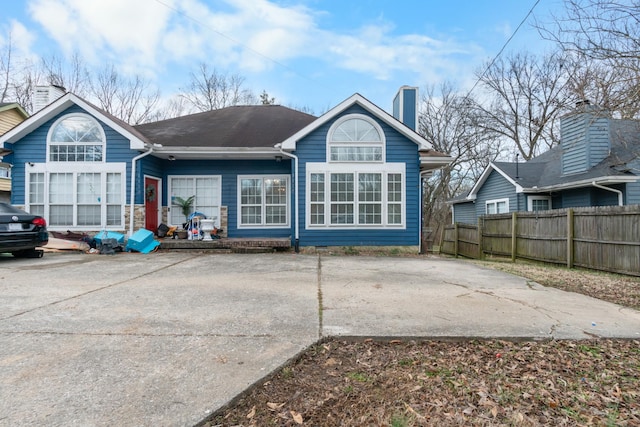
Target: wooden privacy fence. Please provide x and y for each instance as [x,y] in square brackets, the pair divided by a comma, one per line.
[599,238]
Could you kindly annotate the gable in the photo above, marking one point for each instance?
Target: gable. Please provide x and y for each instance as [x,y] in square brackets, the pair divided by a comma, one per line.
[496,187]
[10,117]
[313,147]
[489,170]
[371,109]
[33,123]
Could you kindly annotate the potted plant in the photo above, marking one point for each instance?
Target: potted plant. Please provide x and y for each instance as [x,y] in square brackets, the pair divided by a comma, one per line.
[186,208]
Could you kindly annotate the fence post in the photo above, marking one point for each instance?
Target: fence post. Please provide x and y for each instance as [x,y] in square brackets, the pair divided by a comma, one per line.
[570,236]
[514,243]
[480,231]
[455,239]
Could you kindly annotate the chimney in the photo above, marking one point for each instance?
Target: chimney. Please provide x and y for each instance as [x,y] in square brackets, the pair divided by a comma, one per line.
[45,95]
[585,137]
[405,106]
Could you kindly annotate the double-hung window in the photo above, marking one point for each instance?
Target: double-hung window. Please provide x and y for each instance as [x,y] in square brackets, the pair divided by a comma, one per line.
[84,200]
[206,193]
[368,197]
[497,206]
[538,203]
[263,201]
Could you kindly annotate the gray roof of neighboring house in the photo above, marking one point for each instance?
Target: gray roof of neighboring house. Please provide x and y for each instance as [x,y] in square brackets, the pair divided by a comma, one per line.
[545,170]
[237,126]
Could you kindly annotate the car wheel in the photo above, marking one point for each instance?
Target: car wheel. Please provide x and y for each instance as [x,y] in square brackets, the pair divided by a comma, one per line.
[28,253]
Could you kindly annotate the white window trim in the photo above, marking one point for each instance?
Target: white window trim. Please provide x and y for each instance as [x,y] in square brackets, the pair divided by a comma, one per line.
[287,180]
[530,200]
[90,117]
[355,168]
[495,201]
[366,118]
[170,194]
[72,167]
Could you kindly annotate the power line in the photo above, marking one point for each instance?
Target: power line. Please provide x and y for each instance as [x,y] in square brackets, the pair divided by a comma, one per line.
[504,46]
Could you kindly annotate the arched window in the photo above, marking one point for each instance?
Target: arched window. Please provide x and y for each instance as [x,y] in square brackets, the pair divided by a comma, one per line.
[355,138]
[76,138]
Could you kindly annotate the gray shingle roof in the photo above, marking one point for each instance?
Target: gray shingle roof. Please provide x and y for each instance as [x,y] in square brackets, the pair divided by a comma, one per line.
[234,127]
[546,170]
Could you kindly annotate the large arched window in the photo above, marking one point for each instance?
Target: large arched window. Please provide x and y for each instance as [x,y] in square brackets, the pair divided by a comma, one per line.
[355,138]
[76,138]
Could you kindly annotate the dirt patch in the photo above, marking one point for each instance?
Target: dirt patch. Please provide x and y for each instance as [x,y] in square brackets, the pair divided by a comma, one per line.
[615,288]
[425,383]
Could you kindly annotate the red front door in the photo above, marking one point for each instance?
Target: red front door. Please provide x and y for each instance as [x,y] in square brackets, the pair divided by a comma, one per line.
[151,194]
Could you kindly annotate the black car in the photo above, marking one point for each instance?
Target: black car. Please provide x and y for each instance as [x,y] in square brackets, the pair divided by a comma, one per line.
[21,233]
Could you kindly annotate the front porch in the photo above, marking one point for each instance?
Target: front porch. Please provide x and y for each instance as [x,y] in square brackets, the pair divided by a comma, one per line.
[239,245]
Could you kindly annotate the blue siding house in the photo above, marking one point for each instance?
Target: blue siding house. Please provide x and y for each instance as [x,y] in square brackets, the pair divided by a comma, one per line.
[349,177]
[596,164]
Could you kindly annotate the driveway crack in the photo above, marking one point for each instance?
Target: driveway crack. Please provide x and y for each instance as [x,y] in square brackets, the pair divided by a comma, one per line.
[164,267]
[537,308]
[138,334]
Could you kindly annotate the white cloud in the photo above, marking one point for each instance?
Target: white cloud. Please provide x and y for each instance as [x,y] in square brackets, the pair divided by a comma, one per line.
[255,33]
[101,30]
[21,40]
[238,36]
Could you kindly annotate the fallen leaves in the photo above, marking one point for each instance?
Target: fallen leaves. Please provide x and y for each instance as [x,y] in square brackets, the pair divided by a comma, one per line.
[450,383]
[296,417]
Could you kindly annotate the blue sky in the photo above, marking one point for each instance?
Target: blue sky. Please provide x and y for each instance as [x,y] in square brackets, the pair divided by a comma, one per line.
[305,53]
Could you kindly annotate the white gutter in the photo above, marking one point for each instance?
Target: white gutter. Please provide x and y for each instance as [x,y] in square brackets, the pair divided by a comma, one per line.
[296,226]
[133,186]
[583,183]
[620,200]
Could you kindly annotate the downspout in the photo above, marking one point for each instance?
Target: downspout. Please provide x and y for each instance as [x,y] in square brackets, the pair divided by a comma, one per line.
[133,186]
[602,187]
[296,195]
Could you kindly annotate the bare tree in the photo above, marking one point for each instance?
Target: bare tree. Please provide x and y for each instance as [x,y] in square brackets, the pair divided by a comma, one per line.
[6,68]
[525,96]
[71,75]
[24,86]
[175,106]
[453,124]
[603,38]
[18,76]
[131,100]
[599,29]
[211,90]
[615,89]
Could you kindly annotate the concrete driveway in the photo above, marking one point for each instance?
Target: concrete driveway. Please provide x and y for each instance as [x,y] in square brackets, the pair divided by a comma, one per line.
[167,338]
